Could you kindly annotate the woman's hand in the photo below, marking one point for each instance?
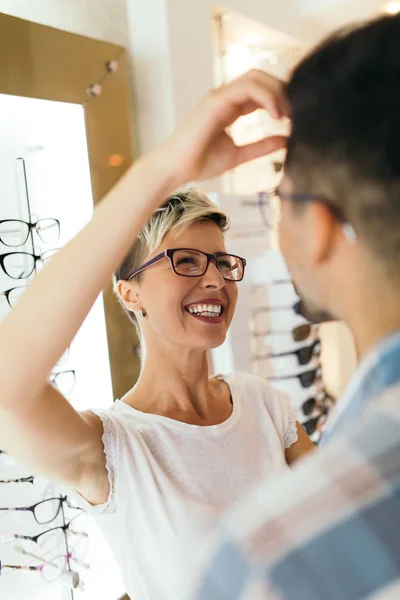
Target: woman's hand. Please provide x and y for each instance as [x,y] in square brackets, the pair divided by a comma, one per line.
[201,148]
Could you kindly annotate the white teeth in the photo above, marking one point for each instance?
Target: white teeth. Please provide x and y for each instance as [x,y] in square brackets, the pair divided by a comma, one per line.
[208,310]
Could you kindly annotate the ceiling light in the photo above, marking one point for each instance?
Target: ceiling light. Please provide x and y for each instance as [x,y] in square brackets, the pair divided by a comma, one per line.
[393,7]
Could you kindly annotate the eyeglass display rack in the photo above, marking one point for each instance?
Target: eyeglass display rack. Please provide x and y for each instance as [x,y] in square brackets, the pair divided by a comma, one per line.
[268,336]
[17,487]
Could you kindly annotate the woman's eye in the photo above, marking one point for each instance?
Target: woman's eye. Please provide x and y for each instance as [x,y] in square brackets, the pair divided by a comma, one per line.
[186,261]
[225,266]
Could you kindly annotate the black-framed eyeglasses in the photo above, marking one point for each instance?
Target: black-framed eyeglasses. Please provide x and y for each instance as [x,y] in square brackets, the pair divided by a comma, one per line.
[307,378]
[44,511]
[304,354]
[13,295]
[51,539]
[14,232]
[29,479]
[188,262]
[298,334]
[20,265]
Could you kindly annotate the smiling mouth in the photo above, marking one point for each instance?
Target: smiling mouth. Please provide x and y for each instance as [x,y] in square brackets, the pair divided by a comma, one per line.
[212,311]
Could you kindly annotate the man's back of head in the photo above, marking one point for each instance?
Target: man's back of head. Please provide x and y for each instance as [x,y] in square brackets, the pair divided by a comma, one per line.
[344,151]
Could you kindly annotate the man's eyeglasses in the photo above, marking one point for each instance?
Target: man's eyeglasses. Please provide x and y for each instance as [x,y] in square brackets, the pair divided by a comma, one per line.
[307,378]
[20,265]
[14,232]
[270,209]
[44,511]
[304,355]
[188,262]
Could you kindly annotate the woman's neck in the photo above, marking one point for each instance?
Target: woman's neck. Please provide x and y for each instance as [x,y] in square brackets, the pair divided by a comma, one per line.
[177,385]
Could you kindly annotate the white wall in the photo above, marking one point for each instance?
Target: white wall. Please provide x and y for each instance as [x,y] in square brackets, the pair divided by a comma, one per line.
[97,19]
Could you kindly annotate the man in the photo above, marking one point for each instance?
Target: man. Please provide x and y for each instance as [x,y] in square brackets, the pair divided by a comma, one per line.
[331,530]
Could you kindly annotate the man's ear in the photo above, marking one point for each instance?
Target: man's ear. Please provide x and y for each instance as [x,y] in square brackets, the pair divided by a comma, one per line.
[322,227]
[128,293]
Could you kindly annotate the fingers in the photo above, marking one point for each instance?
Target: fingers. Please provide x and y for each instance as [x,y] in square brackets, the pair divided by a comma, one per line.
[260,148]
[256,89]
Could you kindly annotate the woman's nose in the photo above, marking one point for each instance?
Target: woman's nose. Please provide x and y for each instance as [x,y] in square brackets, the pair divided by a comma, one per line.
[212,278]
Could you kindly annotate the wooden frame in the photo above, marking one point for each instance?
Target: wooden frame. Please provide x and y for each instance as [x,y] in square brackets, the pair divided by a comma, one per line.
[41,62]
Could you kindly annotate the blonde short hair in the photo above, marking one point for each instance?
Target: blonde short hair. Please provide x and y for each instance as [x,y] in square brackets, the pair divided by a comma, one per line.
[176,214]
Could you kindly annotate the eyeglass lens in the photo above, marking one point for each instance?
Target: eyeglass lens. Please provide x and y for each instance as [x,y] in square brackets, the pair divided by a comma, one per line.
[19,265]
[64,381]
[14,233]
[190,263]
[14,294]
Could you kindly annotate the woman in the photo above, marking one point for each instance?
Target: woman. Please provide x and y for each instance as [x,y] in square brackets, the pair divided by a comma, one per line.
[179,448]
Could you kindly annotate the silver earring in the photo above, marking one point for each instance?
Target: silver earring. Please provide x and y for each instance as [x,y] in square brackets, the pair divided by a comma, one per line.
[142,314]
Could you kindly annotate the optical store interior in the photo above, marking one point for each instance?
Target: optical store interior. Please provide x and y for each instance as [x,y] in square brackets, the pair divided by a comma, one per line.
[86,88]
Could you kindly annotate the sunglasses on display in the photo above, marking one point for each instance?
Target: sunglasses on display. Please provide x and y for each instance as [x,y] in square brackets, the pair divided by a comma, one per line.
[304,355]
[188,262]
[299,333]
[324,402]
[21,265]
[314,424]
[307,378]
[44,511]
[14,232]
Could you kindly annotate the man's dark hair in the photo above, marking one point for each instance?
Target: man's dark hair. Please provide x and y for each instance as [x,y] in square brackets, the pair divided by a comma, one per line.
[345,142]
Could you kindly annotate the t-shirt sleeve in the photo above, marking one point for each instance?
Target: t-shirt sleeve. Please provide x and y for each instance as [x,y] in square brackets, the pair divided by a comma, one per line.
[282,413]
[109,439]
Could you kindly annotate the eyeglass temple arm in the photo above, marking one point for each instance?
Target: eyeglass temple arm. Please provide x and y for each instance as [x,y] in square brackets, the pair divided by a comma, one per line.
[148,264]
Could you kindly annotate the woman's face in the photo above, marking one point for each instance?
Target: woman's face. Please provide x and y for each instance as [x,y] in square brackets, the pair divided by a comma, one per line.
[167,298]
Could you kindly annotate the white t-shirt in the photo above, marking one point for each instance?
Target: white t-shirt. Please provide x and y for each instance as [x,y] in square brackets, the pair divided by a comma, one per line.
[171,481]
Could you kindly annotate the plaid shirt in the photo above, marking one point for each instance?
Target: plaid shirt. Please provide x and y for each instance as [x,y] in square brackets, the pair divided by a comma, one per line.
[331,529]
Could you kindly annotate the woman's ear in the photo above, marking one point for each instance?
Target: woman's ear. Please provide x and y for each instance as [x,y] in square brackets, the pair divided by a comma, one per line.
[128,293]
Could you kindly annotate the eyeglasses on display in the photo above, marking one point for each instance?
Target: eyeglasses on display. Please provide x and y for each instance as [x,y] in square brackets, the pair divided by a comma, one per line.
[14,232]
[304,354]
[21,265]
[64,381]
[52,539]
[13,295]
[298,334]
[296,307]
[29,479]
[50,570]
[307,378]
[188,262]
[44,511]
